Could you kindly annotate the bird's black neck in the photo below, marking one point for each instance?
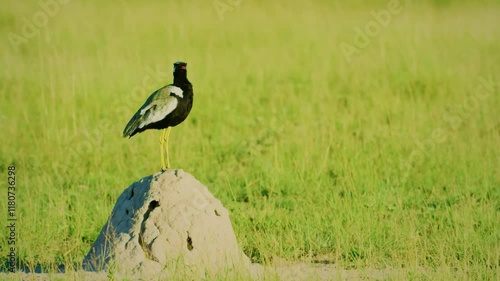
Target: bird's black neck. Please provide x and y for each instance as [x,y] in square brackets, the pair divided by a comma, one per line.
[180,79]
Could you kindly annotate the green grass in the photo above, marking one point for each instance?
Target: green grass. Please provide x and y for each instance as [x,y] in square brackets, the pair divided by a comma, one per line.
[315,157]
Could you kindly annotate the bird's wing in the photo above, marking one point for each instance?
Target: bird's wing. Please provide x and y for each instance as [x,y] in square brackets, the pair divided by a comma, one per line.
[161,103]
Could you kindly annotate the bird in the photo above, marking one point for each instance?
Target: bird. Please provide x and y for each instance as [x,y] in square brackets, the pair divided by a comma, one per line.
[165,108]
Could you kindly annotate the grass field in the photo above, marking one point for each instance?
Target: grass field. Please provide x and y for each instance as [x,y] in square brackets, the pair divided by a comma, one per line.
[373,151]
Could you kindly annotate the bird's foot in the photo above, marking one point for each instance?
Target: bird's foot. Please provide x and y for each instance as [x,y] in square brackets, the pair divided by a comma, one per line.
[165,168]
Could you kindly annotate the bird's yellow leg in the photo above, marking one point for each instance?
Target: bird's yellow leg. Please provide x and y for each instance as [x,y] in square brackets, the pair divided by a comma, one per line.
[167,135]
[162,140]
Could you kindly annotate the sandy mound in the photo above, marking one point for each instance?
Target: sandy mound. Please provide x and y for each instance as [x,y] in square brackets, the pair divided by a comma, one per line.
[164,223]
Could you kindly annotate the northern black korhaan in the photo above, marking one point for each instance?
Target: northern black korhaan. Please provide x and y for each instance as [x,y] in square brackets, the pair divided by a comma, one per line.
[165,108]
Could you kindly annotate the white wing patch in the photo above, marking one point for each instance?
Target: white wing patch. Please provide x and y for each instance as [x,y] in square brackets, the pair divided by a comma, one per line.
[158,113]
[176,91]
[145,109]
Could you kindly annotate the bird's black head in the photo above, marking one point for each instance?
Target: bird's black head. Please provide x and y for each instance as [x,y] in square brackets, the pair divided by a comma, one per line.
[180,73]
[180,67]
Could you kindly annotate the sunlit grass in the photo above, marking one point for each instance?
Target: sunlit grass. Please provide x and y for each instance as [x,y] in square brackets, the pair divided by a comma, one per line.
[310,153]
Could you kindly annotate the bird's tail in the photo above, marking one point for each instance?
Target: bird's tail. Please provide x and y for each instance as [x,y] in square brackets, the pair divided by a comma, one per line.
[132,126]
